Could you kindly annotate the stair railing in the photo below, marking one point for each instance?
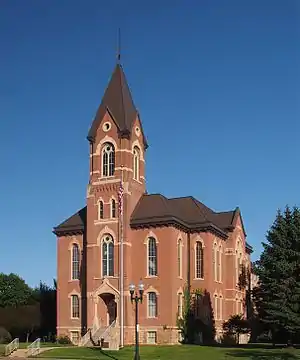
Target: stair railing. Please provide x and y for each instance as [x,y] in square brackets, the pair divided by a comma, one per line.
[108,330]
[34,348]
[12,346]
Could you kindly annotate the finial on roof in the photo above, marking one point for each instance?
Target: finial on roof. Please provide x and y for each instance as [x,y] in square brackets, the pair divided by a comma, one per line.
[119,47]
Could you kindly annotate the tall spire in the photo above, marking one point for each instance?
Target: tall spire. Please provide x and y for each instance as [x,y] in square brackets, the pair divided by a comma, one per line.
[119,47]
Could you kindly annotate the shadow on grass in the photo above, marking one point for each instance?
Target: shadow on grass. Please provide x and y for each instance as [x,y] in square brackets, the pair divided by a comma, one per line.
[263,355]
[104,353]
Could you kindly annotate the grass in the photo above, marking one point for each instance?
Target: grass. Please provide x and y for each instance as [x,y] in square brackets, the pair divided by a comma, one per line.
[183,352]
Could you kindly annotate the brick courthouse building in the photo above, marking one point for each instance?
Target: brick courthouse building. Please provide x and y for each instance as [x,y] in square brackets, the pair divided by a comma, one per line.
[166,243]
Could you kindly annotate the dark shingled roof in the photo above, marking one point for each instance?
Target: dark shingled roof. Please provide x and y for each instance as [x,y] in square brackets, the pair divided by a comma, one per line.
[185,211]
[74,224]
[156,209]
[117,100]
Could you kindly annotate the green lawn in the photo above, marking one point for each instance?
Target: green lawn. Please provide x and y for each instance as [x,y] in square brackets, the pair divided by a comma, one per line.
[183,352]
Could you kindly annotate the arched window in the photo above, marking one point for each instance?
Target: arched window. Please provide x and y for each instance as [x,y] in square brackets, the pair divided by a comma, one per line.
[75,262]
[152,257]
[216,307]
[136,163]
[113,208]
[219,275]
[152,305]
[215,253]
[221,308]
[199,261]
[180,305]
[179,257]
[108,159]
[75,306]
[100,210]
[241,307]
[107,256]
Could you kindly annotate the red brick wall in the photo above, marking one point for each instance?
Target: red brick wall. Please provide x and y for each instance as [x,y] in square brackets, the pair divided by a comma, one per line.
[167,283]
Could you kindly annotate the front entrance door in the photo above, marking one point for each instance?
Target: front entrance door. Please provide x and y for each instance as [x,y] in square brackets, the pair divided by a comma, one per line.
[111,311]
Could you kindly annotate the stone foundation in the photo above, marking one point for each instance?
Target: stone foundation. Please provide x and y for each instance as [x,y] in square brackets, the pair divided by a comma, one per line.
[152,335]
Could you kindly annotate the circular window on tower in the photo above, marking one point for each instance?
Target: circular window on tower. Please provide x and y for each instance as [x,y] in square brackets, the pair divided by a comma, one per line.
[137,131]
[106,126]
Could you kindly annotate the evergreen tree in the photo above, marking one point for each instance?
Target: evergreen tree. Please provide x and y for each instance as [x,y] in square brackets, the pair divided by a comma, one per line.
[279,275]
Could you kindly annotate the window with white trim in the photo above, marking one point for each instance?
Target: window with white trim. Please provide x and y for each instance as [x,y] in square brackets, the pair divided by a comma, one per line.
[199,260]
[180,305]
[113,208]
[221,308]
[151,337]
[136,163]
[75,306]
[152,305]
[241,307]
[179,257]
[75,262]
[216,310]
[215,262]
[152,257]
[108,159]
[75,337]
[107,256]
[219,275]
[100,210]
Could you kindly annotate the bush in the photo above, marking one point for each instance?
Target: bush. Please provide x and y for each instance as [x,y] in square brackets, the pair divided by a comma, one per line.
[228,339]
[65,340]
[5,336]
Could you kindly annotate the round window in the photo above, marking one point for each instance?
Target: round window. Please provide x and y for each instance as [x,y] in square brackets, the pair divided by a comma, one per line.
[106,126]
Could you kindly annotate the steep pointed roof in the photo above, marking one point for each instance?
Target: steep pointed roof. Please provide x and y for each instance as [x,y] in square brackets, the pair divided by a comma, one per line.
[117,100]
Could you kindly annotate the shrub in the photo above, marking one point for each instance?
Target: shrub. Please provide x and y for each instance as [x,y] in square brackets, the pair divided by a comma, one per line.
[65,340]
[5,336]
[228,339]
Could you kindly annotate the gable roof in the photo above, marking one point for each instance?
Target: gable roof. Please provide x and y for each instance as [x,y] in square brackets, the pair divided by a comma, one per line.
[117,100]
[73,225]
[187,212]
[156,209]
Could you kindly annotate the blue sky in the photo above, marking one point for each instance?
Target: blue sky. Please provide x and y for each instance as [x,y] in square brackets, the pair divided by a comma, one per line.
[217,85]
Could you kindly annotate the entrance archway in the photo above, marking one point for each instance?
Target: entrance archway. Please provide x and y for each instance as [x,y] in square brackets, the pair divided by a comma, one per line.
[109,301]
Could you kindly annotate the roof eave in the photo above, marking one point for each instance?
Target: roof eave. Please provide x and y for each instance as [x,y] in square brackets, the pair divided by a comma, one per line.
[249,248]
[68,230]
[171,220]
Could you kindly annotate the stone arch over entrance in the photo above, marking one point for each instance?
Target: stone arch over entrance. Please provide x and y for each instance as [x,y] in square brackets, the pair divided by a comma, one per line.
[106,299]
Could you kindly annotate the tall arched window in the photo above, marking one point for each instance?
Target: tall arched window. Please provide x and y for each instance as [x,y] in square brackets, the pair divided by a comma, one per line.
[152,257]
[100,210]
[216,310]
[107,256]
[113,208]
[75,306]
[108,159]
[180,305]
[221,308]
[136,163]
[199,261]
[215,253]
[219,278]
[75,262]
[152,305]
[179,257]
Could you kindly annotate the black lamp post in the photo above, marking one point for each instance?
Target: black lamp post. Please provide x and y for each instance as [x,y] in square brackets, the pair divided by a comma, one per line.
[136,297]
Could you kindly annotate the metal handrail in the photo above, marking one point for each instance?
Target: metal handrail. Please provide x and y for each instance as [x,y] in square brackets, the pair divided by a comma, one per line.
[12,346]
[34,348]
[113,324]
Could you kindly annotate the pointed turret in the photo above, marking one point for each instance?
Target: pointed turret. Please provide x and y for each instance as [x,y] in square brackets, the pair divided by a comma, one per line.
[117,100]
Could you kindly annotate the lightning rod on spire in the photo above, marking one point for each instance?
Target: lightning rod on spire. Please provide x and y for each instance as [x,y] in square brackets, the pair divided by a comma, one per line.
[119,46]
